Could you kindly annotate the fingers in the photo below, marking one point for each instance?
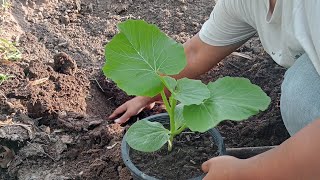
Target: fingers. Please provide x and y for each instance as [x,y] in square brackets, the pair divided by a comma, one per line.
[121,109]
[124,118]
[130,108]
[128,112]
[205,166]
[150,106]
[207,177]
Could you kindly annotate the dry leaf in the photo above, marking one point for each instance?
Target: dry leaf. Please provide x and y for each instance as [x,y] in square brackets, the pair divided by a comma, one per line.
[38,81]
[242,55]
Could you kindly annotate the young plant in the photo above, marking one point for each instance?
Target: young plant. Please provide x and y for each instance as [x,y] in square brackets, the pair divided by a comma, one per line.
[9,51]
[4,77]
[140,59]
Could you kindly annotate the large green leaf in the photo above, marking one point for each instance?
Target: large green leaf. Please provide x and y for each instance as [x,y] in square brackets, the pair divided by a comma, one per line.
[178,116]
[170,83]
[147,136]
[231,99]
[138,55]
[187,91]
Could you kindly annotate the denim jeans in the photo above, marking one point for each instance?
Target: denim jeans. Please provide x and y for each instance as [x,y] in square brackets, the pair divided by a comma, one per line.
[300,95]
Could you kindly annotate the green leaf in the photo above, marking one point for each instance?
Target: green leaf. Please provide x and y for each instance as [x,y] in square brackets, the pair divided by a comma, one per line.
[147,136]
[8,50]
[189,91]
[231,99]
[4,77]
[178,116]
[138,55]
[170,83]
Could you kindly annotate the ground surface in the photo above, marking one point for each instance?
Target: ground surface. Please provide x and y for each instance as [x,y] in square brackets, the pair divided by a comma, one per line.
[55,106]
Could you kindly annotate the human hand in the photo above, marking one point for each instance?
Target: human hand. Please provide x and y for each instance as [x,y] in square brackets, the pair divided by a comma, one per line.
[131,108]
[223,168]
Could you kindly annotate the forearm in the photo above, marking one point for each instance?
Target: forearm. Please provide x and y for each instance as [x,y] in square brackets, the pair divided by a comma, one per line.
[201,57]
[296,158]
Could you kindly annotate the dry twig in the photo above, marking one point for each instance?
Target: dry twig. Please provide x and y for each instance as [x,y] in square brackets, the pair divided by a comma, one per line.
[38,81]
[95,80]
[241,55]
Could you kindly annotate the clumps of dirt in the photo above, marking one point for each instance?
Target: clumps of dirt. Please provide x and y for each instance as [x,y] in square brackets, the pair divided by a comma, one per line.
[53,91]
[9,106]
[6,156]
[12,91]
[60,140]
[110,89]
[15,131]
[76,122]
[64,64]
[16,128]
[37,89]
[92,153]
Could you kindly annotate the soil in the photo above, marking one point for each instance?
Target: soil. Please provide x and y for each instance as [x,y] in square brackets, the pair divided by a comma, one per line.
[183,162]
[55,107]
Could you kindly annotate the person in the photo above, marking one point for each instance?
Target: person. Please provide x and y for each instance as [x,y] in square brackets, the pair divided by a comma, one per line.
[289,32]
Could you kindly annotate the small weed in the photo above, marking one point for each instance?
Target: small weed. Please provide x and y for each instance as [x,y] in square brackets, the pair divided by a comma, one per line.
[9,51]
[4,77]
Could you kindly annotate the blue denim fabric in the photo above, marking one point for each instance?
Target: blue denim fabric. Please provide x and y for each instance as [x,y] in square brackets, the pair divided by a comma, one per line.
[300,95]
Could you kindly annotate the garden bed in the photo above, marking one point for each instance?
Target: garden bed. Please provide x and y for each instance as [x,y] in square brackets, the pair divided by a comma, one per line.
[64,108]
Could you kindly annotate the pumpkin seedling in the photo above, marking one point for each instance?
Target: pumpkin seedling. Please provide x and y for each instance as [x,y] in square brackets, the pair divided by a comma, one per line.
[141,59]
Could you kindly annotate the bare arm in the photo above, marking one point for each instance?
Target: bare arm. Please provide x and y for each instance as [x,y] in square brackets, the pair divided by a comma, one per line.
[296,158]
[201,57]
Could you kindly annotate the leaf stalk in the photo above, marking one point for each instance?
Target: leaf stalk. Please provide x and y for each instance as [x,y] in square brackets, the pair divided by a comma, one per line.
[182,128]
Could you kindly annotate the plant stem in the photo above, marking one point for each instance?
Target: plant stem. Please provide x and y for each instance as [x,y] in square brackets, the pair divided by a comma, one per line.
[170,144]
[170,106]
[182,128]
[165,100]
[173,104]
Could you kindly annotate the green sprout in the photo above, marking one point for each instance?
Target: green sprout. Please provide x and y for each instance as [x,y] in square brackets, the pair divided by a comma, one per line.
[141,59]
[8,50]
[4,77]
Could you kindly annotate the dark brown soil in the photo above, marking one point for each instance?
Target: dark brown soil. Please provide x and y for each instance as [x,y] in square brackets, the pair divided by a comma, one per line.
[44,91]
[183,162]
[58,101]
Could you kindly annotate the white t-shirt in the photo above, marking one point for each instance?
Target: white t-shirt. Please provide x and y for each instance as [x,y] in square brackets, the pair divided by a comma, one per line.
[292,30]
